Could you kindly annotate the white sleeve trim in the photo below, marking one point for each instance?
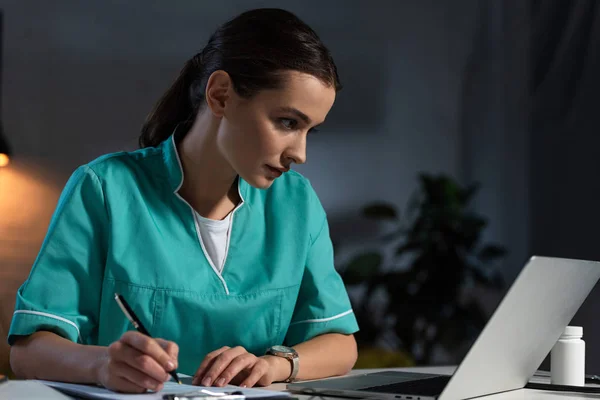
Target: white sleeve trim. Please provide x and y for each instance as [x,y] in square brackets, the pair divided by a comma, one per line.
[52,316]
[324,319]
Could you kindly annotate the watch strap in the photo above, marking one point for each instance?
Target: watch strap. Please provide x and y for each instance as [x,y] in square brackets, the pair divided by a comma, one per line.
[295,367]
[292,357]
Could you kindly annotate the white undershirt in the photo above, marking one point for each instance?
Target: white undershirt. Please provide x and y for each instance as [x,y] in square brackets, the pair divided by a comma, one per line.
[214,234]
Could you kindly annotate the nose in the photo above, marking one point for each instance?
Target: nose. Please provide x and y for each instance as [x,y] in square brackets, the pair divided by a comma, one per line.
[296,152]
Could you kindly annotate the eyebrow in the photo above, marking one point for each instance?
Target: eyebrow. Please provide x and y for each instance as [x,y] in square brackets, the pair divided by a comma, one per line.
[296,112]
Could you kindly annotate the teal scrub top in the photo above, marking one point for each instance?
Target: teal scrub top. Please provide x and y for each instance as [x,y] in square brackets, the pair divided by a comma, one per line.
[121,227]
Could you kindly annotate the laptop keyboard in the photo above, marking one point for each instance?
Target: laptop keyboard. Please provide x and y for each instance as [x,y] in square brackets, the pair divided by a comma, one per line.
[420,387]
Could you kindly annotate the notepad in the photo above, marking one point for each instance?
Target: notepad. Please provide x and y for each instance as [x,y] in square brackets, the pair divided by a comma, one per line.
[170,387]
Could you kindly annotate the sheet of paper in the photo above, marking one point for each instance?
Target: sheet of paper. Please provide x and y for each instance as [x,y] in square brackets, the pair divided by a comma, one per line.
[30,390]
[95,392]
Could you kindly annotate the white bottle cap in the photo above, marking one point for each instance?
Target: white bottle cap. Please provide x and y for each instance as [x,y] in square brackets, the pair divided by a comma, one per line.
[573,331]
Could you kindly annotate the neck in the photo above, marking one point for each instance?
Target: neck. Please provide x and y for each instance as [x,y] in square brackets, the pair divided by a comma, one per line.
[210,183]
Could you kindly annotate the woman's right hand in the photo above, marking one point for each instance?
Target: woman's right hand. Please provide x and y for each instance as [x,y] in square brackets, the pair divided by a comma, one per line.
[136,363]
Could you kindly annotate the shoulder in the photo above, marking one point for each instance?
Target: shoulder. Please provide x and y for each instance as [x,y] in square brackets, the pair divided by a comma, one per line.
[292,198]
[109,174]
[125,164]
[294,189]
[293,182]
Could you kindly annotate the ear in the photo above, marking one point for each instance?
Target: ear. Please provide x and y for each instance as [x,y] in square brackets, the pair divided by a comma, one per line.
[218,91]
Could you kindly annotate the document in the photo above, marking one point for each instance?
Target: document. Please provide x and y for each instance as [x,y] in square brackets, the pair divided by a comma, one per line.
[170,387]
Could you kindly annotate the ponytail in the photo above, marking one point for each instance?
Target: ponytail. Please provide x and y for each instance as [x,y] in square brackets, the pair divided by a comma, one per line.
[178,106]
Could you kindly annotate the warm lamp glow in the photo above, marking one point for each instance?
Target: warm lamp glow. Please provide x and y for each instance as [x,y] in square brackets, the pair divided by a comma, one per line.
[4,160]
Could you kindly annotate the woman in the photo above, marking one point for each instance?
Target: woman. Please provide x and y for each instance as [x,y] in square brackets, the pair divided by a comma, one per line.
[219,248]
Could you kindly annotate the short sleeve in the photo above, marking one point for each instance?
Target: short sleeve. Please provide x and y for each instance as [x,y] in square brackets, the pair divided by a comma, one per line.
[323,305]
[62,292]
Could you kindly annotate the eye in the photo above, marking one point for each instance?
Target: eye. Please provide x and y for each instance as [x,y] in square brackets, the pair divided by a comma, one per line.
[288,123]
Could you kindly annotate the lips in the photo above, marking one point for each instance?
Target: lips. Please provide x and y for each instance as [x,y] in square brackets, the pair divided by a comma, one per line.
[276,172]
[282,170]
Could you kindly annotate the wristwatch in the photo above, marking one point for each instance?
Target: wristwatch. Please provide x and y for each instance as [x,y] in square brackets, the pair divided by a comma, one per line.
[288,353]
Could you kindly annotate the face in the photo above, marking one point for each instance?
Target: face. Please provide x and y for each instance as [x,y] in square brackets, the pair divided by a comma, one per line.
[263,136]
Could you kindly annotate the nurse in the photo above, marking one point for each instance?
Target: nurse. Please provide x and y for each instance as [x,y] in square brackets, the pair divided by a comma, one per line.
[221,250]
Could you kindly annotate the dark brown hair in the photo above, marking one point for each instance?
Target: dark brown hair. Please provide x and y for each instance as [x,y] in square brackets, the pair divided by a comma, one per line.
[253,48]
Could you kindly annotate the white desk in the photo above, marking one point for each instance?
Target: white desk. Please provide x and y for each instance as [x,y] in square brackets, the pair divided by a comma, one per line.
[522,394]
[19,387]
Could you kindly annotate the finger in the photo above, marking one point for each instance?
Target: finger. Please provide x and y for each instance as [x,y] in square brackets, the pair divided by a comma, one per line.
[199,376]
[171,348]
[221,362]
[241,376]
[134,380]
[123,353]
[150,347]
[236,365]
[260,369]
[206,363]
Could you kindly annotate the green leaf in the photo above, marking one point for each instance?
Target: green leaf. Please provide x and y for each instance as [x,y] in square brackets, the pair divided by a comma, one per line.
[470,229]
[362,268]
[380,211]
[491,252]
[409,246]
[451,190]
[488,278]
[481,277]
[468,193]
[394,235]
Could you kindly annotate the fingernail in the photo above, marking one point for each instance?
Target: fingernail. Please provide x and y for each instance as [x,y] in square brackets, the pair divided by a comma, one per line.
[220,382]
[243,385]
[170,365]
[206,381]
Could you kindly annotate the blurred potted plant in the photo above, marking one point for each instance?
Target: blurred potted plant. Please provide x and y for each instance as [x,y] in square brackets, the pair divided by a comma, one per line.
[422,291]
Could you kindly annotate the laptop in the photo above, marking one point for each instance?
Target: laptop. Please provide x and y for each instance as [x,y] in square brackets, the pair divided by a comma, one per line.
[521,332]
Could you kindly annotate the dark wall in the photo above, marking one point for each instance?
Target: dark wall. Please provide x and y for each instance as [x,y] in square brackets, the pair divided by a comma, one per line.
[565,144]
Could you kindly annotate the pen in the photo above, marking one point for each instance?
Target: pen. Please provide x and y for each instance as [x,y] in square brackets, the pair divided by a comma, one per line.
[135,321]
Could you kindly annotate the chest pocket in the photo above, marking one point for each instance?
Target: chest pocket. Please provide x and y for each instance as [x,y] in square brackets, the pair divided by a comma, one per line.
[200,323]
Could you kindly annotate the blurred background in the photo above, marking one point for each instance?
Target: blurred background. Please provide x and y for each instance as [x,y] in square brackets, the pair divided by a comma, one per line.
[464,141]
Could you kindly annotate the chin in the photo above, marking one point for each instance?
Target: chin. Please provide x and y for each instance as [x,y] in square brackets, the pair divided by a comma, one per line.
[259,182]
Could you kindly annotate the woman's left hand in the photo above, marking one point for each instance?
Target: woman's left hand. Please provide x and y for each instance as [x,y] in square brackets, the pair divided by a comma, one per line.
[238,367]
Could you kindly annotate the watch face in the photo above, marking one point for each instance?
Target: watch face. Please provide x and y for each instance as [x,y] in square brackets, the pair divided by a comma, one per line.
[282,349]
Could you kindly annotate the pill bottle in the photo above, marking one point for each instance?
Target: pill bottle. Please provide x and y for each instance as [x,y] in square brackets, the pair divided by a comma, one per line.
[567,358]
